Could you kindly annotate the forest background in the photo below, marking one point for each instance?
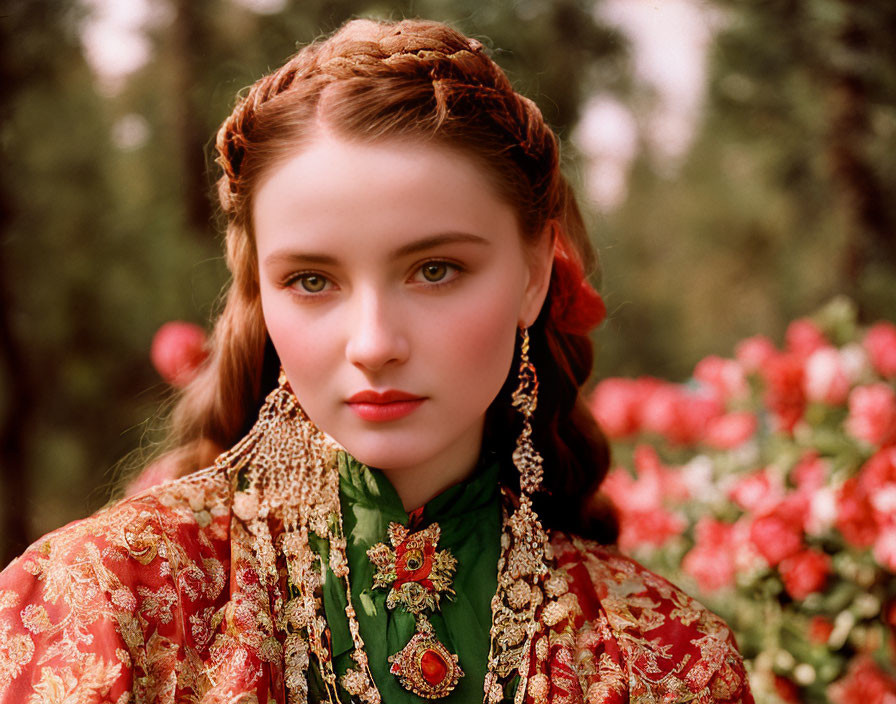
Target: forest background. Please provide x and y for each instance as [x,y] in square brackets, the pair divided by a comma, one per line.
[721,211]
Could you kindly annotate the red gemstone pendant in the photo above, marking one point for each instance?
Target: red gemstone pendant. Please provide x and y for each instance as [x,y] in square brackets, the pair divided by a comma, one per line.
[426,667]
[433,667]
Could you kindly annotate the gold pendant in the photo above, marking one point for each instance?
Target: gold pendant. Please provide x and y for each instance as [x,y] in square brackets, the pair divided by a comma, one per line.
[416,575]
[426,667]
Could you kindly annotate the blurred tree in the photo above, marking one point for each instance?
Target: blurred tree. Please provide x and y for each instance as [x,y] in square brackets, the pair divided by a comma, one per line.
[785,200]
[54,201]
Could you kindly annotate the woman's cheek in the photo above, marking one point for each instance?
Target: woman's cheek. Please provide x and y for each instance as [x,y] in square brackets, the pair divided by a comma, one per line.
[300,342]
[486,339]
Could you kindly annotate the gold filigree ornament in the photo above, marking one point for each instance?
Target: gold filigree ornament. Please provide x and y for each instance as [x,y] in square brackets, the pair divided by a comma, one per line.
[286,487]
[426,667]
[417,575]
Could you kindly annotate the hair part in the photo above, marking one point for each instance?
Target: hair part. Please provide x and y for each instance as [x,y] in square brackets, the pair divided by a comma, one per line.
[421,80]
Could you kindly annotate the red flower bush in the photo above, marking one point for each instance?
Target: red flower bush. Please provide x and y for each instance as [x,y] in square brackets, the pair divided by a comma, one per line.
[825,377]
[805,572]
[785,395]
[776,537]
[804,337]
[711,561]
[880,343]
[725,432]
[872,414]
[865,683]
[768,483]
[725,377]
[645,520]
[753,353]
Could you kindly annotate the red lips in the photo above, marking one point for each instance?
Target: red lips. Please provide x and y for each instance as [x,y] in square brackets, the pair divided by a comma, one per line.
[381,406]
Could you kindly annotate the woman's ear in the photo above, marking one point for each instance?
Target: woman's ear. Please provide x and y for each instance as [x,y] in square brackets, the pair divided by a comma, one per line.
[540,257]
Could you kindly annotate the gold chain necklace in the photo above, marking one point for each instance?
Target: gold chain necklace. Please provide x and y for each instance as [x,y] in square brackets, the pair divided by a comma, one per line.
[284,471]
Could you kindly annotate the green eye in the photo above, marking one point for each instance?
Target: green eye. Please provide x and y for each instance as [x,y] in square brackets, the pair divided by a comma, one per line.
[312,283]
[434,271]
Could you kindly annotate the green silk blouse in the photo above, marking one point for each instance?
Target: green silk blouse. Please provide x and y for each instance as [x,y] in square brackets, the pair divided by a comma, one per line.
[469,515]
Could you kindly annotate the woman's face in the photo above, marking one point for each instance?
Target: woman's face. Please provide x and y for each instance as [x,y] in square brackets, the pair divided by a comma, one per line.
[393,281]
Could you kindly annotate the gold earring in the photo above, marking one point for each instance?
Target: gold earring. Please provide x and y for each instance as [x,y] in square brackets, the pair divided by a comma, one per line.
[525,399]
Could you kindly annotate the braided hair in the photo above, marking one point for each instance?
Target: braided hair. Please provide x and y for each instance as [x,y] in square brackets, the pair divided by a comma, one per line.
[376,80]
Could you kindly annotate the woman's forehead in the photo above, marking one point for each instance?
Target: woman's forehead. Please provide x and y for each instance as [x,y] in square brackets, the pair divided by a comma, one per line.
[388,192]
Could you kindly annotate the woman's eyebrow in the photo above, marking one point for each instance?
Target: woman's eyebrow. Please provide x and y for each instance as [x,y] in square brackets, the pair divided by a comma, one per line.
[286,256]
[437,240]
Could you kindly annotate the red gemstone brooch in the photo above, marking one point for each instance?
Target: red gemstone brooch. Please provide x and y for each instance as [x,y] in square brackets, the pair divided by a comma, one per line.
[417,575]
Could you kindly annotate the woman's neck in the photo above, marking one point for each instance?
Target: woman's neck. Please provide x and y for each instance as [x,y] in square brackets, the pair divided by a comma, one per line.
[418,484]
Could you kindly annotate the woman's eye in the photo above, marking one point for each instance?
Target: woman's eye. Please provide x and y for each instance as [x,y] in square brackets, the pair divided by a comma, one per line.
[311,283]
[434,272]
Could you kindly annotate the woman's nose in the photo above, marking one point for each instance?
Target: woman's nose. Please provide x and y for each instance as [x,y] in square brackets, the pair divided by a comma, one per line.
[376,337]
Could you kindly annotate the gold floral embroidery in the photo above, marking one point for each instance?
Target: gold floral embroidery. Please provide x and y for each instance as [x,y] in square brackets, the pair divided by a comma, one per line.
[162,599]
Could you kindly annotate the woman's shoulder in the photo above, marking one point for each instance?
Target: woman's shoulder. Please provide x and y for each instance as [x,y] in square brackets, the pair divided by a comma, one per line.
[193,508]
[637,632]
[185,518]
[78,604]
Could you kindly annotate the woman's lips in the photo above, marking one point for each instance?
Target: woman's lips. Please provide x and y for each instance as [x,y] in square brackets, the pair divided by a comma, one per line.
[380,406]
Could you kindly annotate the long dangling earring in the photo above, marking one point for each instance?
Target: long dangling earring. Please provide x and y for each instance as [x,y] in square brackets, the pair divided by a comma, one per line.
[522,564]
[525,399]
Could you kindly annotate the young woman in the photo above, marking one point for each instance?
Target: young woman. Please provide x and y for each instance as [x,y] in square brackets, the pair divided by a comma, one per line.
[407,508]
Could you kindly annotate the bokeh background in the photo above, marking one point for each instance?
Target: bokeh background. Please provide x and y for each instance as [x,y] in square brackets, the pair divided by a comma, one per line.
[735,159]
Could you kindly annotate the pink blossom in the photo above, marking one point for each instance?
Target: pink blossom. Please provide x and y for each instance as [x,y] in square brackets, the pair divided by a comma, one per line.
[810,472]
[711,560]
[757,493]
[643,493]
[616,403]
[653,485]
[879,473]
[730,430]
[805,573]
[872,414]
[885,548]
[878,478]
[803,337]
[856,518]
[659,414]
[810,477]
[880,343]
[776,537]
[678,414]
[825,377]
[822,510]
[643,520]
[754,352]
[784,394]
[640,501]
[725,377]
[177,351]
[640,528]
[672,485]
[855,362]
[864,683]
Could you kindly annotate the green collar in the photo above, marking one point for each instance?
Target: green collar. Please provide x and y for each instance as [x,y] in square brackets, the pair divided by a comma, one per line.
[369,488]
[469,516]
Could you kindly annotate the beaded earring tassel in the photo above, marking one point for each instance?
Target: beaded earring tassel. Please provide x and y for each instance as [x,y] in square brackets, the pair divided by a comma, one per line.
[524,547]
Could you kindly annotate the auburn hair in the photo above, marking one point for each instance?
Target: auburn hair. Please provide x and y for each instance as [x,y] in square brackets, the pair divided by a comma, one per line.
[422,80]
